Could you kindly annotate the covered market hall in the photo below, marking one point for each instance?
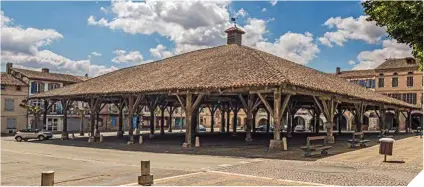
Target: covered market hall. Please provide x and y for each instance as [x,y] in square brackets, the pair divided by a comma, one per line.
[228,78]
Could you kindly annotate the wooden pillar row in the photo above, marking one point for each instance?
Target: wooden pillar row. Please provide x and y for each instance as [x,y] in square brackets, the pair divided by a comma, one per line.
[153,102]
[66,104]
[327,106]
[162,108]
[132,103]
[120,105]
[171,110]
[212,110]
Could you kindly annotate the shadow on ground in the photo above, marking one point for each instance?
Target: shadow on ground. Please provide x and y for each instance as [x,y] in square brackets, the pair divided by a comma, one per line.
[222,144]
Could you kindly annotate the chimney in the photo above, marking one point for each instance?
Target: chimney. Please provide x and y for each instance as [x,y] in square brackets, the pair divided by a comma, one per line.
[9,68]
[86,75]
[234,35]
[337,70]
[45,70]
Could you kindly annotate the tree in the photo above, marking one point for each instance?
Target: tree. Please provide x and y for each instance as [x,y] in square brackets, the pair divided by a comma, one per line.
[81,113]
[404,22]
[34,110]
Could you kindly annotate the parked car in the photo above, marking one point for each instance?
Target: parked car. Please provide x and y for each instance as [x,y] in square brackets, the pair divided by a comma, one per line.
[27,134]
[299,128]
[202,128]
[262,128]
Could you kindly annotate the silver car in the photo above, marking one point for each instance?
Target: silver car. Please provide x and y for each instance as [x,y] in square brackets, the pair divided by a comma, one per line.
[26,134]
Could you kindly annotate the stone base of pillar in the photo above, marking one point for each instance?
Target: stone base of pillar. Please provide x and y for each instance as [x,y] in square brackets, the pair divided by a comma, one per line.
[330,139]
[90,139]
[169,130]
[248,139]
[151,135]
[145,180]
[137,131]
[275,144]
[186,145]
[65,136]
[81,133]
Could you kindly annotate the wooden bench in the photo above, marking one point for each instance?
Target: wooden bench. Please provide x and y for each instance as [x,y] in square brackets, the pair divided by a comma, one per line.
[308,149]
[354,141]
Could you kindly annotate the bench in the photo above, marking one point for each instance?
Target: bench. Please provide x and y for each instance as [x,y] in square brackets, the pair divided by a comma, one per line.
[354,141]
[308,149]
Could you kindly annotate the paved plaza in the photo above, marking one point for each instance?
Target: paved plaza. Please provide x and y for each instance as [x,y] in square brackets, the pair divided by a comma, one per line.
[22,163]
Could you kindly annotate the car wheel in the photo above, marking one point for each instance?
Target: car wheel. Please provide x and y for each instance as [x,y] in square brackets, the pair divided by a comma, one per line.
[18,138]
[41,138]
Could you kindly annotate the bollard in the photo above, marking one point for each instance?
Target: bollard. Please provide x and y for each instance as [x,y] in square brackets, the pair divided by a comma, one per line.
[197,144]
[47,178]
[101,137]
[140,140]
[90,139]
[284,143]
[72,136]
[145,179]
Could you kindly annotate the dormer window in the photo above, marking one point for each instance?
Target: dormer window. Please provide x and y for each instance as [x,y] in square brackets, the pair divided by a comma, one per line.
[381,81]
[37,87]
[53,86]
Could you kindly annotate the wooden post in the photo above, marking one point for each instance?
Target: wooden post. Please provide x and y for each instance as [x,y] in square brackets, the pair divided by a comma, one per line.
[249,106]
[339,119]
[120,106]
[221,109]
[132,102]
[327,107]
[66,104]
[268,120]
[145,179]
[152,104]
[255,112]
[47,178]
[162,121]
[409,126]
[277,111]
[188,106]
[170,112]
[212,110]
[235,112]
[397,118]
[228,120]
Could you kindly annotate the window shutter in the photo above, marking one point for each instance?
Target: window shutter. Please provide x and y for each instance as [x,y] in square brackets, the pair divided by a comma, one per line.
[11,123]
[41,89]
[9,105]
[33,87]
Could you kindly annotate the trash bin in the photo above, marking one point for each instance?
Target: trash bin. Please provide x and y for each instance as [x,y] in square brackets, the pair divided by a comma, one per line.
[386,146]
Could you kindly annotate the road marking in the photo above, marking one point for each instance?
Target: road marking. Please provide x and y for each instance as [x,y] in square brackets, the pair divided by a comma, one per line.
[167,178]
[268,178]
[224,165]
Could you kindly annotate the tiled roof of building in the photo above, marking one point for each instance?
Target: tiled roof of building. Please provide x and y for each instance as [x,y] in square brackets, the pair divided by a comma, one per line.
[8,79]
[356,73]
[398,63]
[227,66]
[48,76]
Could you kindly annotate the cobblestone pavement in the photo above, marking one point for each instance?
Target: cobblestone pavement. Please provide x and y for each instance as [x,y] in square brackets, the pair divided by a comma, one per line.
[363,167]
[22,162]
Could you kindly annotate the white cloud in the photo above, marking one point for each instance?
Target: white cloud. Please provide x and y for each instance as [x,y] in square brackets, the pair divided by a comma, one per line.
[273,2]
[352,29]
[351,62]
[104,10]
[391,49]
[96,54]
[241,13]
[96,70]
[296,47]
[160,52]
[124,57]
[194,25]
[263,10]
[21,46]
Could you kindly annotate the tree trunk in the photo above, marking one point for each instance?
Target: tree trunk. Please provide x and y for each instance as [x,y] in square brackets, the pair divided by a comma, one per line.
[36,118]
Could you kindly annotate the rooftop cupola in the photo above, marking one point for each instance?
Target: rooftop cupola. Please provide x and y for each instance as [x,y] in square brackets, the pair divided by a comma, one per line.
[234,34]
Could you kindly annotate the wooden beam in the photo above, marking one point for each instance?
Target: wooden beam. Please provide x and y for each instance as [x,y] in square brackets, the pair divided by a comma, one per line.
[182,102]
[284,106]
[265,102]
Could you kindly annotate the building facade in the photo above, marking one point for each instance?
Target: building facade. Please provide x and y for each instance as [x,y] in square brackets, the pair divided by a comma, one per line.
[40,81]
[396,78]
[13,91]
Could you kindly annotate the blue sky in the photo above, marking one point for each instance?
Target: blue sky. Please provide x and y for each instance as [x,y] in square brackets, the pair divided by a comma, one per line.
[99,37]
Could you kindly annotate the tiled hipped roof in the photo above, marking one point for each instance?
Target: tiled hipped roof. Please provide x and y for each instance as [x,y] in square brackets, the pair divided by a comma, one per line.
[8,79]
[227,66]
[48,76]
[356,74]
[398,63]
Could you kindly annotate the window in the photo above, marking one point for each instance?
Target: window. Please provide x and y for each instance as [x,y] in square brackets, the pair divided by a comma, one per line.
[37,87]
[51,125]
[370,83]
[395,80]
[381,81]
[9,105]
[53,86]
[410,80]
[11,123]
[363,83]
[397,96]
[410,98]
[18,88]
[3,87]
[36,103]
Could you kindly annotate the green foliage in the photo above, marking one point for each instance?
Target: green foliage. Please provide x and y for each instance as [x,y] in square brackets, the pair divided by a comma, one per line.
[30,108]
[403,19]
